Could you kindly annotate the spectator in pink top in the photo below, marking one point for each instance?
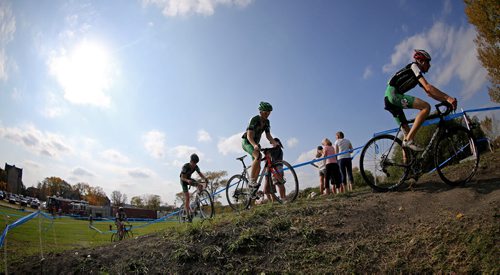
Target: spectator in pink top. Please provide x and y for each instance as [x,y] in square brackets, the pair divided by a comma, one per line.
[332,174]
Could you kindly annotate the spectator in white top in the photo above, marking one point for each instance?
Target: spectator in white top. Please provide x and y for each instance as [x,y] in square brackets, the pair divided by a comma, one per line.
[344,160]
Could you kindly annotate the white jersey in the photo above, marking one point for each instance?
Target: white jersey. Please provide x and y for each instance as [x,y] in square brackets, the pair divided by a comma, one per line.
[343,145]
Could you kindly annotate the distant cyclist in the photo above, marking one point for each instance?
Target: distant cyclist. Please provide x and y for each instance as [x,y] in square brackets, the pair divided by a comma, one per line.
[187,170]
[251,138]
[396,100]
[120,219]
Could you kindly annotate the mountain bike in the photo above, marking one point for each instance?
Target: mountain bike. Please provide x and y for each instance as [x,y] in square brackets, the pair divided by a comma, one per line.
[240,195]
[201,206]
[385,164]
[126,234]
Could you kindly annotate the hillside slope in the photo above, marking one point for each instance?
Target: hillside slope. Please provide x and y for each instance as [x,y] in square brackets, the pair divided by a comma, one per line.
[430,228]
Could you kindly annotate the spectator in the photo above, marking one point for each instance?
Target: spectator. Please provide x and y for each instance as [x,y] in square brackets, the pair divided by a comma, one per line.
[321,168]
[332,174]
[344,160]
[276,154]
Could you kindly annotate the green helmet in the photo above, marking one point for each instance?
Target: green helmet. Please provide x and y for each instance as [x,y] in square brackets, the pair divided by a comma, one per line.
[266,107]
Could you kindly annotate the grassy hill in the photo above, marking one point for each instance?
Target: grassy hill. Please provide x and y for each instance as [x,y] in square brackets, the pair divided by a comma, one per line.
[428,228]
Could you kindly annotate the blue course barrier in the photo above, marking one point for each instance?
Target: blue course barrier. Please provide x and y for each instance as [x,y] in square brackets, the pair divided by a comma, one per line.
[20,222]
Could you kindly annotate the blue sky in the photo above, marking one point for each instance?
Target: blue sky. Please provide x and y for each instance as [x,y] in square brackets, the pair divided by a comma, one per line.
[118,94]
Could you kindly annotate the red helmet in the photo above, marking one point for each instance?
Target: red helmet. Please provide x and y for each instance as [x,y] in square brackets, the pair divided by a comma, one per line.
[422,55]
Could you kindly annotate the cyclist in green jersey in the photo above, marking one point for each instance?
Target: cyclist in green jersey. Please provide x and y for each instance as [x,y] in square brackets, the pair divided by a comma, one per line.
[251,138]
[396,100]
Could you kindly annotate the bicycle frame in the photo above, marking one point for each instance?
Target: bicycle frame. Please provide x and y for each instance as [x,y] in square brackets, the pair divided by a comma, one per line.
[415,159]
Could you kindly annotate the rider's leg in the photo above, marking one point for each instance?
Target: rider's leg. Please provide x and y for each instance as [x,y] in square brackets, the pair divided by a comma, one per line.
[186,204]
[254,173]
[425,109]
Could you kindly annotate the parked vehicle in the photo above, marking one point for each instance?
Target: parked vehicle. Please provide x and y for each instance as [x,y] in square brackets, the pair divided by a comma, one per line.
[13,199]
[35,204]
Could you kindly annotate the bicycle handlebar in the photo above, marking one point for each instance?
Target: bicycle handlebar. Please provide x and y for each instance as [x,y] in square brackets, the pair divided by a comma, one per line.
[448,110]
[440,113]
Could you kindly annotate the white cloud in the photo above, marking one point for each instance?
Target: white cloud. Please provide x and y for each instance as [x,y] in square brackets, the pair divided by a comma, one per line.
[32,164]
[292,142]
[231,144]
[306,156]
[34,140]
[453,52]
[7,30]
[368,72]
[154,142]
[204,136]
[81,172]
[447,8]
[114,156]
[140,173]
[183,152]
[172,8]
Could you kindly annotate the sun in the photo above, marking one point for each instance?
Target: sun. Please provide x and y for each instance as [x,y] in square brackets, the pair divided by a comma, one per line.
[85,74]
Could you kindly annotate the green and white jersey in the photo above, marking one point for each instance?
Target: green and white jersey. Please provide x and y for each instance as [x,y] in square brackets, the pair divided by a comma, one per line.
[258,127]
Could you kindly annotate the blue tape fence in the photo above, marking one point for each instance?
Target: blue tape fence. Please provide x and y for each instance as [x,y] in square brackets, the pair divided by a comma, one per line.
[164,218]
[20,222]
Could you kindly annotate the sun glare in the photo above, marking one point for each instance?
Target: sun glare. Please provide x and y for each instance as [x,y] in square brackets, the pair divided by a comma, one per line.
[85,74]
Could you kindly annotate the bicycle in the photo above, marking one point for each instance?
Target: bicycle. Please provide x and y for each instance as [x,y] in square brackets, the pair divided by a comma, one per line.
[201,207]
[126,234]
[385,164]
[240,195]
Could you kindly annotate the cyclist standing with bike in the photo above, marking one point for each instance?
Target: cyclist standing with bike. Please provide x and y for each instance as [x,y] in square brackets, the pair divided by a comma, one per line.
[396,100]
[120,219]
[187,170]
[251,138]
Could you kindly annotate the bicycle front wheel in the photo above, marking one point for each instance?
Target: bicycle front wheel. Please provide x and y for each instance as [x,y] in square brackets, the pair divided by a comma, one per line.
[205,205]
[285,184]
[383,163]
[456,156]
[238,193]
[128,234]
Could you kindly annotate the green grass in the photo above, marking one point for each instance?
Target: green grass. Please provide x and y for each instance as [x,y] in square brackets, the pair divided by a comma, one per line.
[41,235]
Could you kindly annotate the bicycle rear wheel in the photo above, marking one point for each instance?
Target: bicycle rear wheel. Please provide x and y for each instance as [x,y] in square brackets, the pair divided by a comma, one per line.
[238,193]
[383,163]
[284,175]
[115,237]
[205,205]
[456,156]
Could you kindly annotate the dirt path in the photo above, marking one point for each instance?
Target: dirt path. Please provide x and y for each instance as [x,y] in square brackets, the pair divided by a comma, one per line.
[431,228]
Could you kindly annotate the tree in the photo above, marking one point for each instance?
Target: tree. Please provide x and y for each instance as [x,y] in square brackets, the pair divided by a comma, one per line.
[484,15]
[32,192]
[118,199]
[82,189]
[179,198]
[137,201]
[96,196]
[217,180]
[55,186]
[3,178]
[152,201]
